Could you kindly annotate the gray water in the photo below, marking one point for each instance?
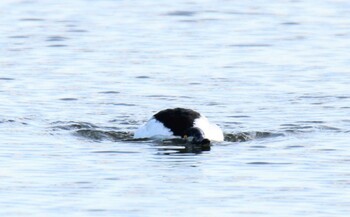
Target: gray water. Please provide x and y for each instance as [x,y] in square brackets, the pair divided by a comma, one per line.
[78,77]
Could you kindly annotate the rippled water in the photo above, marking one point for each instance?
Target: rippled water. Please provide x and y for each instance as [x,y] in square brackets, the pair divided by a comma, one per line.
[78,77]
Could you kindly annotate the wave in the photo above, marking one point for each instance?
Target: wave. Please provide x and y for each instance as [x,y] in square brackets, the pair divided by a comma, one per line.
[97,133]
[94,132]
[247,136]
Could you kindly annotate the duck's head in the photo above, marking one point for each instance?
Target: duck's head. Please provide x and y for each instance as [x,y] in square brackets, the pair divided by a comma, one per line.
[195,136]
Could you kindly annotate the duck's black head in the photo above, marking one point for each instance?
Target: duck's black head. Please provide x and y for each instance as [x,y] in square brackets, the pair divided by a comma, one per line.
[196,136]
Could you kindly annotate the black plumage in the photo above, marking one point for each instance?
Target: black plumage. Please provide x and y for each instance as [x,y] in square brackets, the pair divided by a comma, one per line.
[178,120]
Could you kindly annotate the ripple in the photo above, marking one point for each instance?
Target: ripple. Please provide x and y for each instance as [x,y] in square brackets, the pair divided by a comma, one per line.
[258,146]
[247,136]
[114,152]
[181,13]
[7,79]
[19,36]
[314,97]
[72,125]
[195,83]
[158,96]
[213,104]
[342,97]
[185,97]
[77,30]
[328,149]
[325,127]
[308,126]
[58,45]
[248,13]
[68,99]
[71,25]
[56,38]
[188,21]
[97,210]
[7,121]
[98,135]
[110,92]
[32,19]
[251,45]
[120,104]
[143,77]
[112,178]
[239,116]
[4,121]
[290,23]
[294,146]
[164,97]
[267,163]
[312,122]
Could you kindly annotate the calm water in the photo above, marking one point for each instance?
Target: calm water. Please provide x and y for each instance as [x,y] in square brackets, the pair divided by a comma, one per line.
[78,77]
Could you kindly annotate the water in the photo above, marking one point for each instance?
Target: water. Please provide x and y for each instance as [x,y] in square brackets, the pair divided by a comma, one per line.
[78,77]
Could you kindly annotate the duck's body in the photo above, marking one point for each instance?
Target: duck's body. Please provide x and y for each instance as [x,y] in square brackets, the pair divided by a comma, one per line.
[179,122]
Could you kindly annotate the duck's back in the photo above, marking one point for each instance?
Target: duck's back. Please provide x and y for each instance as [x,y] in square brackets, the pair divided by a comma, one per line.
[174,122]
[178,120]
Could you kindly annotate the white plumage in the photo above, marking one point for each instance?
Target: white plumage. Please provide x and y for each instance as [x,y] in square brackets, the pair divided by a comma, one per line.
[211,131]
[153,129]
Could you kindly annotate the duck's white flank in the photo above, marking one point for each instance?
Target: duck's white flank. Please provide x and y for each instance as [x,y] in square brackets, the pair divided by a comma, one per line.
[211,131]
[153,129]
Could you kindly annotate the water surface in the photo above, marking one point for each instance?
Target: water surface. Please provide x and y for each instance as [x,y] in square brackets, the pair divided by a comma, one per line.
[78,77]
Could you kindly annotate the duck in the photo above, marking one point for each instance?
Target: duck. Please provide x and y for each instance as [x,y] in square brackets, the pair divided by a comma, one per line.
[180,122]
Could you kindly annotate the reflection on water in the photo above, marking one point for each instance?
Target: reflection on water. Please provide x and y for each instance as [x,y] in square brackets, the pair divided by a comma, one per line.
[78,77]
